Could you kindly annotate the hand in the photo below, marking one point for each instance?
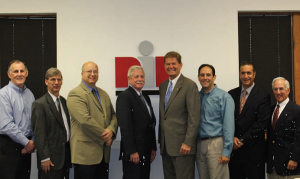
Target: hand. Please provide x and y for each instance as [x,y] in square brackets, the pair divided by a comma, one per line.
[292,165]
[109,142]
[107,134]
[134,158]
[29,148]
[223,159]
[46,166]
[185,149]
[153,155]
[237,143]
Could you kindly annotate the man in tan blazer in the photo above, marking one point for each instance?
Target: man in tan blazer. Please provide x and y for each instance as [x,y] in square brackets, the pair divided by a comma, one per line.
[179,116]
[93,126]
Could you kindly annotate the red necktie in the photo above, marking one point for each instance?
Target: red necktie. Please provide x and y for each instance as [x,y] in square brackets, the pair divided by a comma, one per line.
[275,116]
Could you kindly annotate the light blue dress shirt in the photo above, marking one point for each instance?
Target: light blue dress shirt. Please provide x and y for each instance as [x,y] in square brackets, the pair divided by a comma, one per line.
[217,117]
[15,113]
[95,88]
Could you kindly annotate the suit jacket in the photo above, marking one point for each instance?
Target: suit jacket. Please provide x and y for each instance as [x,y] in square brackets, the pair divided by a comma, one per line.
[88,122]
[284,141]
[136,125]
[49,131]
[251,123]
[179,122]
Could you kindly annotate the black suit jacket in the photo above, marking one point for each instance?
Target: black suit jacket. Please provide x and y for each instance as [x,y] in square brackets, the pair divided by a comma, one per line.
[284,141]
[50,132]
[136,125]
[250,125]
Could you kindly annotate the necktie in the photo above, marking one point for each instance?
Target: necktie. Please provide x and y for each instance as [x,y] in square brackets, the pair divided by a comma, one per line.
[95,95]
[169,92]
[58,106]
[144,101]
[243,100]
[275,116]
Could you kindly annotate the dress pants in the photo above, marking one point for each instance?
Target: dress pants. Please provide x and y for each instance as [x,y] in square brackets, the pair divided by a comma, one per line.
[207,159]
[136,171]
[98,171]
[13,164]
[274,175]
[179,167]
[62,173]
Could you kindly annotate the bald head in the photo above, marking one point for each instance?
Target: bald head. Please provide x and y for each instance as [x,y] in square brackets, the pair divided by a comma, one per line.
[89,74]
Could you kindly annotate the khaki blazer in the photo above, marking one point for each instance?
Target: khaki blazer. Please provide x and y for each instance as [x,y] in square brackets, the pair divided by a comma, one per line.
[179,122]
[88,122]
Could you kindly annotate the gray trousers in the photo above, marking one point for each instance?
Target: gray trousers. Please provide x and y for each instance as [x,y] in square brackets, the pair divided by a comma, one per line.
[273,175]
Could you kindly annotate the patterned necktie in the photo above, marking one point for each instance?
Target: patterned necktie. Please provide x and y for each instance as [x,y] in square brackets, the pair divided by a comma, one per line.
[144,101]
[95,95]
[243,100]
[169,92]
[58,106]
[275,117]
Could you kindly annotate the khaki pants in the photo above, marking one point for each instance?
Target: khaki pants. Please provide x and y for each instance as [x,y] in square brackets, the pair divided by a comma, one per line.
[273,175]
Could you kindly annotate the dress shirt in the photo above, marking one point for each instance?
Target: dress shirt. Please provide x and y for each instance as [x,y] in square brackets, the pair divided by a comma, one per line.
[217,117]
[174,81]
[248,91]
[95,88]
[281,107]
[15,110]
[63,115]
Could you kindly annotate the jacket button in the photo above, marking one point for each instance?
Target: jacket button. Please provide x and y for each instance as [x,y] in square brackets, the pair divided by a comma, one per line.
[273,141]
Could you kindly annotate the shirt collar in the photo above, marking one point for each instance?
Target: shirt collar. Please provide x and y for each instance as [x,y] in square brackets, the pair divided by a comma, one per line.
[174,81]
[90,87]
[248,89]
[53,97]
[210,90]
[283,103]
[15,87]
[139,93]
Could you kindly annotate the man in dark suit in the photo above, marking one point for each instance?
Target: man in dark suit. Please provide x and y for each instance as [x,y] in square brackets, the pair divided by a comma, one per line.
[137,124]
[51,126]
[179,119]
[252,114]
[283,136]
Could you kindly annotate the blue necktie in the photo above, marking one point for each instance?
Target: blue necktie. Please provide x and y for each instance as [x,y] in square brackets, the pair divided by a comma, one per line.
[169,92]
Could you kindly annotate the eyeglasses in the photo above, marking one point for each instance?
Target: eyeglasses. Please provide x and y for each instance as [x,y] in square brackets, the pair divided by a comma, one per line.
[89,72]
[53,80]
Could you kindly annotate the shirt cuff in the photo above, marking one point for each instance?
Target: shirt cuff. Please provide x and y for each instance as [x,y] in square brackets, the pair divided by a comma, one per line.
[45,160]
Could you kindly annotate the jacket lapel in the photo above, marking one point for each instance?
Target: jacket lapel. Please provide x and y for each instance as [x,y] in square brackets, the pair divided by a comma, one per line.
[249,100]
[54,110]
[90,94]
[139,101]
[63,102]
[175,91]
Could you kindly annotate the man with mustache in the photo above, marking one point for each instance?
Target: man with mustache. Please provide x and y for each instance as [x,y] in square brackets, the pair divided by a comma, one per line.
[137,124]
[16,144]
[252,114]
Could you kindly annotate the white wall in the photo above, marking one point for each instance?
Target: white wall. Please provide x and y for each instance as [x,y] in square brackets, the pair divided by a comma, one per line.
[100,30]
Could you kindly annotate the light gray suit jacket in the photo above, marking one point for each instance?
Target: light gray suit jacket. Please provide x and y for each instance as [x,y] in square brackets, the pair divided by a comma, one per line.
[179,122]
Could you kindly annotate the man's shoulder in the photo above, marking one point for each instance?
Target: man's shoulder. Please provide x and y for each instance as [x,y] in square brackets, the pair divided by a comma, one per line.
[222,93]
[235,90]
[187,80]
[102,91]
[42,99]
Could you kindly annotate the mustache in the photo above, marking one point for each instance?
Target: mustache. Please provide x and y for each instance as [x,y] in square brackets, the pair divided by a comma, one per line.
[139,82]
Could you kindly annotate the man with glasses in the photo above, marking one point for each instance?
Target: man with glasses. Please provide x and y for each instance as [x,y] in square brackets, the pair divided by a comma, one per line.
[16,144]
[93,125]
[283,142]
[50,121]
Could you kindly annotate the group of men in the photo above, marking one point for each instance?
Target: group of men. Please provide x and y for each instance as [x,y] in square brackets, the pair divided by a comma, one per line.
[224,132]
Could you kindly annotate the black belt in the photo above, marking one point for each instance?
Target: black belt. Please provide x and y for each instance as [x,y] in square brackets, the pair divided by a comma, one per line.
[205,138]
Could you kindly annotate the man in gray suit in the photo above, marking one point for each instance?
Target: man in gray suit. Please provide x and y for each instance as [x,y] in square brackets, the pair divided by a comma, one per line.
[179,116]
[50,121]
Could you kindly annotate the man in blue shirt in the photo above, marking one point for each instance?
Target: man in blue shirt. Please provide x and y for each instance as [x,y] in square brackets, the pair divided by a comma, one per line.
[16,133]
[215,137]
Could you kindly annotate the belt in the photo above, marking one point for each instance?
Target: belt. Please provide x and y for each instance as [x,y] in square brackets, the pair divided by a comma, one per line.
[205,138]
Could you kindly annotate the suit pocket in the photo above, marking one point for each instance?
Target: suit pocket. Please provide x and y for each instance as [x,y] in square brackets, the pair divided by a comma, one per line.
[181,131]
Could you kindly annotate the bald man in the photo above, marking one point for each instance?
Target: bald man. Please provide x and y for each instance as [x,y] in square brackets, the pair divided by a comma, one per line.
[93,126]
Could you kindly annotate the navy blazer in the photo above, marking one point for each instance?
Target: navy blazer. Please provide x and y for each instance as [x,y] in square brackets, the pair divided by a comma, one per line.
[284,141]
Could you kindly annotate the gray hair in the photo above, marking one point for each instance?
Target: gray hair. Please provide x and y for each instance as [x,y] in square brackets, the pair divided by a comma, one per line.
[133,68]
[16,61]
[52,72]
[286,82]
